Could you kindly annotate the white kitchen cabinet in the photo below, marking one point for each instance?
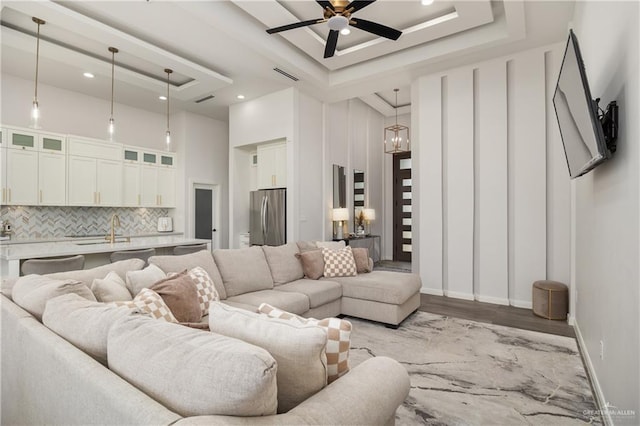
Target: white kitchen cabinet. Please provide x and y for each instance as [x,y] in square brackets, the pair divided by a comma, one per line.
[3,173]
[131,196]
[167,187]
[272,165]
[149,186]
[22,139]
[109,182]
[21,185]
[94,182]
[157,179]
[52,172]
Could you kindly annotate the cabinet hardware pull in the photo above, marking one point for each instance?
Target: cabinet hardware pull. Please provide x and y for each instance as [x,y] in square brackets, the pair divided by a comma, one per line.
[160,199]
[41,195]
[138,199]
[99,197]
[3,194]
[9,195]
[95,199]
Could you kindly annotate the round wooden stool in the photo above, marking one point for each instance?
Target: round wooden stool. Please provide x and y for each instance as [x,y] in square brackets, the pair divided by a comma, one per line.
[550,300]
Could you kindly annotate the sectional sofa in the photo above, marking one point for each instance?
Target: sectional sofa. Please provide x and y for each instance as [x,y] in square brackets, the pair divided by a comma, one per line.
[47,379]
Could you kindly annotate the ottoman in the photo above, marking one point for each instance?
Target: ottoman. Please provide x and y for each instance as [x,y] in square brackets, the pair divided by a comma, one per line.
[550,299]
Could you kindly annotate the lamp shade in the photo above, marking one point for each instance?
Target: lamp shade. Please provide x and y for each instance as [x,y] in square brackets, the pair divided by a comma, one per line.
[369,214]
[340,215]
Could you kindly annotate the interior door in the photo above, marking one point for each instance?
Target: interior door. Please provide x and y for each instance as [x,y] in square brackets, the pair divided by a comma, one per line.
[402,214]
[205,212]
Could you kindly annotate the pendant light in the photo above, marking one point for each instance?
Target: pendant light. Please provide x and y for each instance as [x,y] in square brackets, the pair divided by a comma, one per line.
[396,137]
[35,109]
[112,129]
[168,134]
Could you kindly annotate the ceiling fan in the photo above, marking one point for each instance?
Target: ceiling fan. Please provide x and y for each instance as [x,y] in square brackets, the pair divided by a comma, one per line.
[338,14]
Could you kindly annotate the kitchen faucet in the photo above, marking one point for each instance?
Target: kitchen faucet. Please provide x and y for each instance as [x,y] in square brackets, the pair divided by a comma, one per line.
[115,221]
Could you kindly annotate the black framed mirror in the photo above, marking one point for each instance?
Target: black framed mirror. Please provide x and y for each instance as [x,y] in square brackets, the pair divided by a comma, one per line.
[339,187]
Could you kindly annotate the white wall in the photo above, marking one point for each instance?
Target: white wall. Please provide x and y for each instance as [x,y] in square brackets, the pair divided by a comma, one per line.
[197,140]
[487,189]
[607,214]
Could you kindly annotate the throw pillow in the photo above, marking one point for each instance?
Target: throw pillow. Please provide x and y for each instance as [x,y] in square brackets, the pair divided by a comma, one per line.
[192,372]
[137,280]
[110,289]
[202,258]
[150,302]
[82,322]
[243,270]
[207,292]
[339,263]
[180,294]
[86,276]
[361,257]
[299,349]
[282,263]
[306,246]
[338,338]
[312,263]
[32,292]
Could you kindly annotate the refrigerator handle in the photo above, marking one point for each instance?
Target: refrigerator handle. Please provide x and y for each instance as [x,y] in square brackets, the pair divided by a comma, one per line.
[263,217]
[266,221]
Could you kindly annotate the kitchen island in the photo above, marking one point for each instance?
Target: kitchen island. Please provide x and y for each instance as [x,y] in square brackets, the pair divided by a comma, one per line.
[95,250]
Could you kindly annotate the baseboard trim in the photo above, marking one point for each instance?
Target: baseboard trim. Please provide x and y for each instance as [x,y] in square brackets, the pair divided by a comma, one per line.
[431,291]
[521,303]
[494,300]
[459,295]
[591,372]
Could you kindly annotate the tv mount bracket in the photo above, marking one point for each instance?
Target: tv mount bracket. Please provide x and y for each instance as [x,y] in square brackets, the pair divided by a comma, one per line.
[609,122]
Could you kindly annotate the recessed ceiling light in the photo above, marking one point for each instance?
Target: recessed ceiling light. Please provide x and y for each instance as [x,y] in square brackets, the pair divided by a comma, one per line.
[162,98]
[88,75]
[426,2]
[240,96]
[345,31]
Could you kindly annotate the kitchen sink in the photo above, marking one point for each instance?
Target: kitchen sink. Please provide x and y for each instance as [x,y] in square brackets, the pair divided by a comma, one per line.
[88,243]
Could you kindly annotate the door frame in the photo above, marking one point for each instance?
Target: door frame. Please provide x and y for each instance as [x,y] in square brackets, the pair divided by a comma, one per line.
[215,198]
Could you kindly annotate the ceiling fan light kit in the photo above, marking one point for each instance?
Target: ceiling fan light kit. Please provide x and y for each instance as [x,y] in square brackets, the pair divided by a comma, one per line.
[338,16]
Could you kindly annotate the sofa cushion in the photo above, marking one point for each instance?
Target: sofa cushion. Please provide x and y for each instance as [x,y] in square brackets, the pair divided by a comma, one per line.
[150,302]
[306,246]
[145,278]
[381,286]
[32,292]
[83,323]
[297,303]
[86,276]
[299,349]
[361,257]
[110,288]
[201,258]
[332,245]
[338,338]
[312,262]
[193,372]
[180,294]
[339,263]
[318,292]
[243,270]
[282,261]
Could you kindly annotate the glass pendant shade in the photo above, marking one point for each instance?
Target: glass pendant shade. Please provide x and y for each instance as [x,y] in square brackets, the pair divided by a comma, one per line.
[396,137]
[34,121]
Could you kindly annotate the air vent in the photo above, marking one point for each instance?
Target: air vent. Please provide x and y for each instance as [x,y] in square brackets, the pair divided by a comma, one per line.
[286,74]
[206,98]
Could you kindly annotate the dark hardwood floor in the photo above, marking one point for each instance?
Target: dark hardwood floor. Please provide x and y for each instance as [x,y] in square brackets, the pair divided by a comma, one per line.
[493,314]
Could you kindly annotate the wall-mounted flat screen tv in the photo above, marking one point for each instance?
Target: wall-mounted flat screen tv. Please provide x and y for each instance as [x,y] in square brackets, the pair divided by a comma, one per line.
[588,137]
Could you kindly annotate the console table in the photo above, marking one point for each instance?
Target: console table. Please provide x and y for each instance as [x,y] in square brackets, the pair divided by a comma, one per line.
[369,242]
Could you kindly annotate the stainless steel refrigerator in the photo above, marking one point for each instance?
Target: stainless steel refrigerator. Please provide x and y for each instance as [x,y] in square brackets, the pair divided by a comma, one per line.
[268,223]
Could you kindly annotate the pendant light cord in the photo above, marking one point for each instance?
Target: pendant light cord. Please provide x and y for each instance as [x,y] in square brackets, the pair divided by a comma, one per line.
[113,58]
[168,71]
[39,22]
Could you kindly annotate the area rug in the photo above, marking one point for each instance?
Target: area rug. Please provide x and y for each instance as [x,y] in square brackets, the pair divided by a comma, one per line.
[469,373]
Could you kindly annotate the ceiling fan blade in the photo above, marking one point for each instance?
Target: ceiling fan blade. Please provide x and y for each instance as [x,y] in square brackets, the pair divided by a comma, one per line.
[358,4]
[375,28]
[332,42]
[325,4]
[294,25]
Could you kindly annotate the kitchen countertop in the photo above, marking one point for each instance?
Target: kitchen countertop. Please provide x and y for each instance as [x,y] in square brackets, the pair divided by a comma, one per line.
[73,246]
[10,241]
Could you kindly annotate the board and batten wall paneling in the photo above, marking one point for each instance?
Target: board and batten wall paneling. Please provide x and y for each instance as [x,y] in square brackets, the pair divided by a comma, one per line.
[490,166]
[526,117]
[459,184]
[427,160]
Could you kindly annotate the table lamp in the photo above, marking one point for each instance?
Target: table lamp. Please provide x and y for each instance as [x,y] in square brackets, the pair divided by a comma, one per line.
[369,215]
[340,216]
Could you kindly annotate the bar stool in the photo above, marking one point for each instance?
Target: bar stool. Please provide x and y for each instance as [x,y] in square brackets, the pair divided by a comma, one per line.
[179,250]
[51,265]
[143,254]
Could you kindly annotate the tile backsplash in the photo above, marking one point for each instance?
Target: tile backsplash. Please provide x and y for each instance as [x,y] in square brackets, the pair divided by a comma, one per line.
[53,222]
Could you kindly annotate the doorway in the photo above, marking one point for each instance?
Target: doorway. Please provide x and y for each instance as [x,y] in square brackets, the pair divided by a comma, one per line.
[206,213]
[402,214]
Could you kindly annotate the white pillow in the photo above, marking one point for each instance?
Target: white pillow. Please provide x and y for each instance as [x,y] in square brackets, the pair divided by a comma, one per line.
[299,349]
[110,289]
[137,280]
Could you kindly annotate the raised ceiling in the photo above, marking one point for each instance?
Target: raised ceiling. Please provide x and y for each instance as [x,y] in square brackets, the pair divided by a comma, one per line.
[221,48]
